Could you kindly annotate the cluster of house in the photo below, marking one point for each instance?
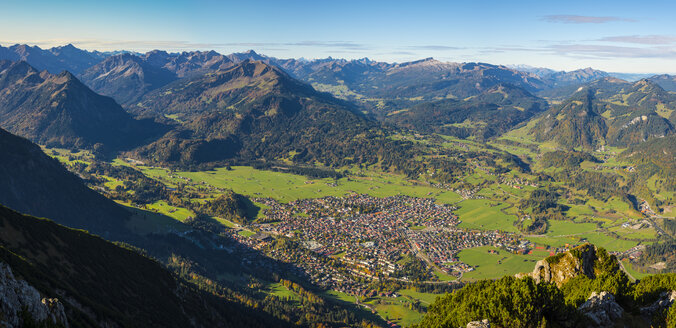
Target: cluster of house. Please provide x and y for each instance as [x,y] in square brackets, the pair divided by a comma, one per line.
[632,254]
[442,246]
[516,182]
[349,241]
[644,207]
[469,193]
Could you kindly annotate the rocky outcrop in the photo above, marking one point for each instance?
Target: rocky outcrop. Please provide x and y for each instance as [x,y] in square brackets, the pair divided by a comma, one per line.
[601,310]
[665,301]
[560,268]
[479,324]
[17,296]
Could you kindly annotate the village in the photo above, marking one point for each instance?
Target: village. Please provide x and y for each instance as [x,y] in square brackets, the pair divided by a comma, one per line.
[346,243]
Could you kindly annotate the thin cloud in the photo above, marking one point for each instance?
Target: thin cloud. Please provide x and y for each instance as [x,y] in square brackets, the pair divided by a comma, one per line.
[330,44]
[590,51]
[578,19]
[606,51]
[434,47]
[107,45]
[318,44]
[405,53]
[178,45]
[641,39]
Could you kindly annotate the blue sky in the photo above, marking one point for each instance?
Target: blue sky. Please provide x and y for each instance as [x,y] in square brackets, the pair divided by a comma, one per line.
[620,36]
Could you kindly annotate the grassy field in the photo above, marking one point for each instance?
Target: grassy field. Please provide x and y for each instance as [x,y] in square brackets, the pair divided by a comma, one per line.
[340,296]
[648,233]
[484,214]
[632,271]
[424,298]
[145,222]
[279,290]
[489,266]
[443,276]
[287,187]
[597,238]
[395,310]
[566,228]
[178,213]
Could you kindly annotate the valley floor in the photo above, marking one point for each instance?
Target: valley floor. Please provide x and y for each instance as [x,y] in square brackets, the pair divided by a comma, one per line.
[381,240]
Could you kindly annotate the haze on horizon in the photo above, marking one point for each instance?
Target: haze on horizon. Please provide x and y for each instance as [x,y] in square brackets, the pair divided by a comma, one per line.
[615,36]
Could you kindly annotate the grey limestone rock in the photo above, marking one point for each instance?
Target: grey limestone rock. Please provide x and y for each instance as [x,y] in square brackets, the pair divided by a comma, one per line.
[601,309]
[17,296]
[479,324]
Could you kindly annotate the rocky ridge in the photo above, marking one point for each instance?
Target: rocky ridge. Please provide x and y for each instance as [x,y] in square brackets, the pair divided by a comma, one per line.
[601,309]
[560,268]
[17,296]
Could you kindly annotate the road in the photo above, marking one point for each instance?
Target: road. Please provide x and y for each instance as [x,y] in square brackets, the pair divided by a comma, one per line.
[625,271]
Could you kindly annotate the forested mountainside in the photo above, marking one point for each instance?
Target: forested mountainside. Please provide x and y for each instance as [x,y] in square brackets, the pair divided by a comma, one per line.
[595,116]
[253,110]
[34,183]
[103,284]
[58,110]
[488,114]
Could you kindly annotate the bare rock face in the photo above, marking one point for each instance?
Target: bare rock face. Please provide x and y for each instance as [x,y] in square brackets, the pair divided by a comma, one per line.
[18,295]
[601,310]
[562,267]
[665,301]
[479,324]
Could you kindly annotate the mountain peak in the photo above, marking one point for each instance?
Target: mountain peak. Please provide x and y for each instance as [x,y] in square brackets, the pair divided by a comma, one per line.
[66,77]
[429,61]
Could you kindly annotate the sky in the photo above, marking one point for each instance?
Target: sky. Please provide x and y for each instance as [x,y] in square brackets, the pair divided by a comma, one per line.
[616,36]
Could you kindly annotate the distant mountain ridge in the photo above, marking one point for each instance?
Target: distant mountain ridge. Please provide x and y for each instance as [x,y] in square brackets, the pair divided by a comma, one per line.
[380,86]
[55,60]
[187,64]
[668,82]
[59,110]
[391,92]
[488,114]
[126,78]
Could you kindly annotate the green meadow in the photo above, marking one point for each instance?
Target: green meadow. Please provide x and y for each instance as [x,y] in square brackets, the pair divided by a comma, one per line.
[488,265]
[287,187]
[485,214]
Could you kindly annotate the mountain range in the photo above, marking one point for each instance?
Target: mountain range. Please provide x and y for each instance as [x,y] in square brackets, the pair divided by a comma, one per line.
[195,110]
[210,107]
[254,110]
[55,60]
[126,78]
[58,110]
